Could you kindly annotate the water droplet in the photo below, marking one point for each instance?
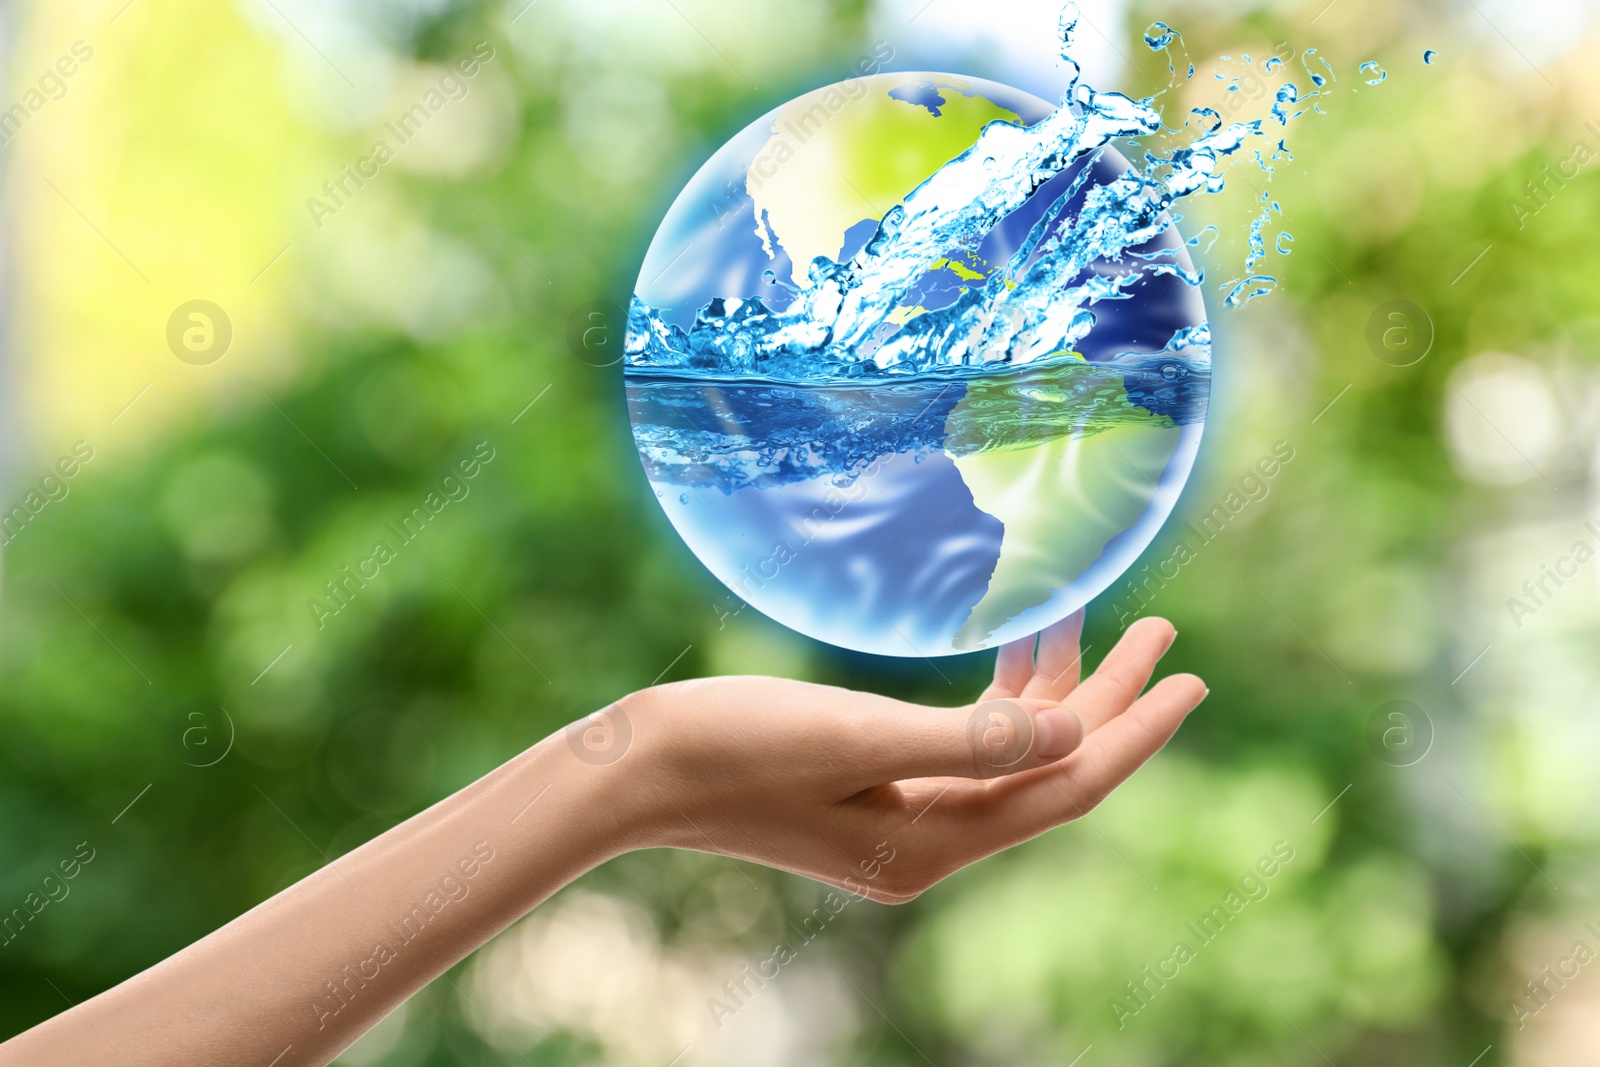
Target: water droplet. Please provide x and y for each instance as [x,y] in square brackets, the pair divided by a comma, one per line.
[1172,372]
[683,498]
[1159,36]
[1370,67]
[1284,240]
[1429,56]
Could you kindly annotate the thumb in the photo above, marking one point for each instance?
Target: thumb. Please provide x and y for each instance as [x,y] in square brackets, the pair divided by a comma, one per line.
[1010,735]
[984,740]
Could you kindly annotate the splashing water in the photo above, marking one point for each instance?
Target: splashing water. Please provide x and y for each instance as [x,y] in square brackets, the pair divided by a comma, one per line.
[860,317]
[1160,37]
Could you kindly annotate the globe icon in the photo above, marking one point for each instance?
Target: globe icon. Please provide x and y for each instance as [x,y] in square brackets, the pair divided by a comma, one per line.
[908,372]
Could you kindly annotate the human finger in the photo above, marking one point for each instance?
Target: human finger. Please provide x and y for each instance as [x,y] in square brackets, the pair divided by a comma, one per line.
[1057,671]
[1013,668]
[1124,673]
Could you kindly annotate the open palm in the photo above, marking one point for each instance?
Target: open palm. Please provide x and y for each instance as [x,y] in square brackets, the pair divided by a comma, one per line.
[827,782]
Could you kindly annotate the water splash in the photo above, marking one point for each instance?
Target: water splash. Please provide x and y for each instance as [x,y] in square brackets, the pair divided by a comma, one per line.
[1369,67]
[1159,38]
[861,317]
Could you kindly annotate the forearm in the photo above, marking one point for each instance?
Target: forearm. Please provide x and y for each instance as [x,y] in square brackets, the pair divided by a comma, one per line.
[314,967]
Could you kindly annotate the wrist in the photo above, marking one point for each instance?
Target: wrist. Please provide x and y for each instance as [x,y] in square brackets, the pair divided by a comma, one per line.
[600,778]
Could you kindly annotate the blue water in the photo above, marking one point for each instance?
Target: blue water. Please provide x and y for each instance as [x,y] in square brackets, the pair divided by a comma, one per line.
[735,434]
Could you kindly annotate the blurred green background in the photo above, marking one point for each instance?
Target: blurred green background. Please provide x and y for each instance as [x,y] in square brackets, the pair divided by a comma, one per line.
[167,697]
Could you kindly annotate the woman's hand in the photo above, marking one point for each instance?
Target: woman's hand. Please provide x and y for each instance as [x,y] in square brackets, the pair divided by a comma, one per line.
[881,797]
[873,795]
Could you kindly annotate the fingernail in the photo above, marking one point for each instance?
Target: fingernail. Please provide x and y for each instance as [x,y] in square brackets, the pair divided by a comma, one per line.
[1057,731]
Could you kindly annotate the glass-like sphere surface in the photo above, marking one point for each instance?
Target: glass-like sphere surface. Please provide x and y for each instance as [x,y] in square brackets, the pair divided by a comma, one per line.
[897,445]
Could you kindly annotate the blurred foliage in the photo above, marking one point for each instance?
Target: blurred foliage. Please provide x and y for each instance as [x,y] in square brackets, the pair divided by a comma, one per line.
[156,619]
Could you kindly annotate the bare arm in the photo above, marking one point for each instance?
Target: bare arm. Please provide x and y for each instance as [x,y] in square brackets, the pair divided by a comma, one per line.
[876,796]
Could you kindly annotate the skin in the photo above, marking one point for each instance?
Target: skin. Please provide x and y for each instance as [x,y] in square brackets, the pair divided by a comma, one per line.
[811,779]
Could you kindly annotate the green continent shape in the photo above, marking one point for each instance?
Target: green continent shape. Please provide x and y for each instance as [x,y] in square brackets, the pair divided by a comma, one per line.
[1061,501]
[834,159]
